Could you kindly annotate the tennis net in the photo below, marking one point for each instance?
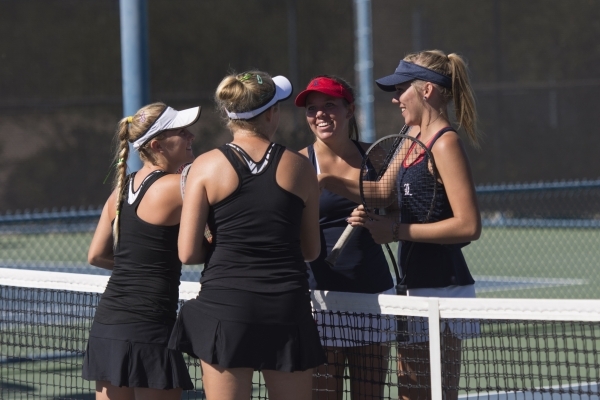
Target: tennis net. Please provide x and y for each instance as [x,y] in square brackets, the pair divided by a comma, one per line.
[378,346]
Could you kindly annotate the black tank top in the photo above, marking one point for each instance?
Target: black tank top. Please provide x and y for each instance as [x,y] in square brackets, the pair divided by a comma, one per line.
[144,285]
[361,267]
[429,265]
[256,230]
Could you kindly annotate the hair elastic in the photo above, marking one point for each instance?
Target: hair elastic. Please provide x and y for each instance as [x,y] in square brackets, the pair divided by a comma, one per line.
[129,119]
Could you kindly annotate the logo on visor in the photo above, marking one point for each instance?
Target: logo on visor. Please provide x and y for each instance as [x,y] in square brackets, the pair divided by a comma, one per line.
[315,83]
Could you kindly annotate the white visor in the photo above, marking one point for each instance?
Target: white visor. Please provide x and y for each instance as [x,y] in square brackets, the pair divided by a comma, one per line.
[169,119]
[283,90]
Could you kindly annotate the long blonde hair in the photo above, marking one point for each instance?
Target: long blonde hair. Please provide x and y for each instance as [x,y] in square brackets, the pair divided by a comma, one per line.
[128,130]
[461,94]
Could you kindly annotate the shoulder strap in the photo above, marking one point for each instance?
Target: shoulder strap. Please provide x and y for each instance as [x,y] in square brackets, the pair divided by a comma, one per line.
[136,196]
[360,148]
[440,133]
[278,151]
[312,157]
[255,168]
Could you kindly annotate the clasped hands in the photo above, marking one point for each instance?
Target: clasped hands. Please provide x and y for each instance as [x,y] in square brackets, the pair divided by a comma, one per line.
[383,229]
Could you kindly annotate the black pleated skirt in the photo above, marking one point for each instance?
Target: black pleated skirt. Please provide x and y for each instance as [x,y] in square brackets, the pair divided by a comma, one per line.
[134,355]
[239,329]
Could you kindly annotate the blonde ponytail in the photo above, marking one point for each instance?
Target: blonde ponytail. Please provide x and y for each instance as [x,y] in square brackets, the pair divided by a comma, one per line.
[461,94]
[463,97]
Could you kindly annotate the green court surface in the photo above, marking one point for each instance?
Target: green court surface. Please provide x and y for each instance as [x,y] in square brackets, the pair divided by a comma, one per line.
[506,262]
[69,248]
[537,263]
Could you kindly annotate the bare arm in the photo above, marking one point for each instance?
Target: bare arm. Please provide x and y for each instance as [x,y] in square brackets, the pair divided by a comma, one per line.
[296,175]
[310,238]
[374,192]
[100,253]
[192,244]
[348,188]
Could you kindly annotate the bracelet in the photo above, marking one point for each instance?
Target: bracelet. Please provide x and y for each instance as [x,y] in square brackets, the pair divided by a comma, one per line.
[395,228]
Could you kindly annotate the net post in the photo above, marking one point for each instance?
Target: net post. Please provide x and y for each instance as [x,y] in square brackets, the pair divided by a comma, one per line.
[435,353]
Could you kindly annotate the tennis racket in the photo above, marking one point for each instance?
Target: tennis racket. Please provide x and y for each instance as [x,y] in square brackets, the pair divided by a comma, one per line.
[184,170]
[374,170]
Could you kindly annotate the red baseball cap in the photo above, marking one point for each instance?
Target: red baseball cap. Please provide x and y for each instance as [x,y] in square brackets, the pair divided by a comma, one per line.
[326,86]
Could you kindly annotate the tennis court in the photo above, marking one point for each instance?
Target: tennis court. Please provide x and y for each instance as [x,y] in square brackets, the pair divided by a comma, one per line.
[506,262]
[41,354]
[541,349]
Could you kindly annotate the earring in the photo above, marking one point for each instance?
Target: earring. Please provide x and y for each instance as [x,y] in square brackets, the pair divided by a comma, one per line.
[424,98]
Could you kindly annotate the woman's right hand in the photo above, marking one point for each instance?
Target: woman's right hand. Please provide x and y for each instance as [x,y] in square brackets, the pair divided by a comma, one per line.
[379,226]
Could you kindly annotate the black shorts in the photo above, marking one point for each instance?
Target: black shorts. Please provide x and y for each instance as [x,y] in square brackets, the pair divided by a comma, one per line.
[239,329]
[134,355]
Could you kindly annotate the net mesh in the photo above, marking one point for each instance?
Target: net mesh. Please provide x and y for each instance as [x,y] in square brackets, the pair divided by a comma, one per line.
[377,346]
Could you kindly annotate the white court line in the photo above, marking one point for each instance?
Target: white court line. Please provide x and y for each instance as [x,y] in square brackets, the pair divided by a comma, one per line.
[540,393]
[501,283]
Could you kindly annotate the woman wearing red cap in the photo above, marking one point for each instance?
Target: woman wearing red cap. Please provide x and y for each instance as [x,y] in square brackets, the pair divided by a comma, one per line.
[361,267]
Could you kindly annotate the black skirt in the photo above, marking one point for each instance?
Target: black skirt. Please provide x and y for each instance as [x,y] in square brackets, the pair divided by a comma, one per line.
[239,329]
[134,355]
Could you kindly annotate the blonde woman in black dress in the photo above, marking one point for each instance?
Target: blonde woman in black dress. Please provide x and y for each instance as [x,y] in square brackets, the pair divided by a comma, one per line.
[136,238]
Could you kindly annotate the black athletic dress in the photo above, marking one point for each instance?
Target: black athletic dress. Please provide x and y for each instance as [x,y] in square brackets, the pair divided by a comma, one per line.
[253,310]
[133,322]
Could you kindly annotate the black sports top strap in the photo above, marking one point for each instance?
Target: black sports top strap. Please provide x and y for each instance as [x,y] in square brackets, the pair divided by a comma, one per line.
[255,168]
[135,196]
[437,136]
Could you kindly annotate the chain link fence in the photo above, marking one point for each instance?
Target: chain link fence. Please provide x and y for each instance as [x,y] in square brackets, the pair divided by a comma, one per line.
[539,241]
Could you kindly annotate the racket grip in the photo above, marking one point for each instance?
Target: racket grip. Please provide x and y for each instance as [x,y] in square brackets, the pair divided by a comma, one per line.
[339,245]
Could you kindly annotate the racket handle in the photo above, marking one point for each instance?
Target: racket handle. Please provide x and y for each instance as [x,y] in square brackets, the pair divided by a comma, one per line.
[339,245]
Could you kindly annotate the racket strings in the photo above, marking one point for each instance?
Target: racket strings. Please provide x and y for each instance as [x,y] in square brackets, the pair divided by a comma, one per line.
[378,186]
[419,184]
